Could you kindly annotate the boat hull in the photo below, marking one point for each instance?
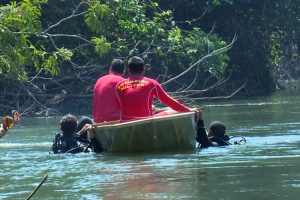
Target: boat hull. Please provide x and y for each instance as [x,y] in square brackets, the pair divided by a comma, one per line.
[167,133]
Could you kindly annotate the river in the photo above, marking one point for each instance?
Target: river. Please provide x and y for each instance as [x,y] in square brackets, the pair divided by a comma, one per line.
[266,167]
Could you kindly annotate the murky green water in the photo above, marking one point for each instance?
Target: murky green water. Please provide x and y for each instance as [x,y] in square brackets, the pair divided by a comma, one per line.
[267,167]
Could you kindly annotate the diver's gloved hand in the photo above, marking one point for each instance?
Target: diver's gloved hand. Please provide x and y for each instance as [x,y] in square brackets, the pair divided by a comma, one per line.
[8,122]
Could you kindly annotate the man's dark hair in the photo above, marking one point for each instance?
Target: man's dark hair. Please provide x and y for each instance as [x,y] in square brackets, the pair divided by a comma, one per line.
[136,65]
[118,66]
[217,128]
[68,124]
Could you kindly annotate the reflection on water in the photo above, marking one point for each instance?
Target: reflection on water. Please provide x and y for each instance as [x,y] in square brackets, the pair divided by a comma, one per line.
[267,167]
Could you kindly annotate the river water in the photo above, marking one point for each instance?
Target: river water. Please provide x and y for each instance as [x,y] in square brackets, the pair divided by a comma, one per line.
[266,167]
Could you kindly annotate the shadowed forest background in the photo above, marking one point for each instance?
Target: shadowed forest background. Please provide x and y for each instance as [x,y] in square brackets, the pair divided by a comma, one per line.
[52,52]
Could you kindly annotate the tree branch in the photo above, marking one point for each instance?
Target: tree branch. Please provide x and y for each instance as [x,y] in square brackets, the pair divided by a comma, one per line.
[213,53]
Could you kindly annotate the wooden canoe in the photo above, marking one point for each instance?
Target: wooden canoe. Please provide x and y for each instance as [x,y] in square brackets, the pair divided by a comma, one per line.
[156,134]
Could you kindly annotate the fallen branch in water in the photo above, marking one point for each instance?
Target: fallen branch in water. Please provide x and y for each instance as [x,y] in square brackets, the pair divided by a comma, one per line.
[36,189]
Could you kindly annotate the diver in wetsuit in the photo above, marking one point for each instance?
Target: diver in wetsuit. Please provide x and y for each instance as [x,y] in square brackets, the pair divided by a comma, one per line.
[216,133]
[66,141]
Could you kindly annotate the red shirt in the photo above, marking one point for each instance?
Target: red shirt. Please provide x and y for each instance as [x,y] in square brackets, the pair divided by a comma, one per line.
[105,103]
[136,95]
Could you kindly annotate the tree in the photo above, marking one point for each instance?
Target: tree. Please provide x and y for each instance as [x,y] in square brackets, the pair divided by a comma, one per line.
[20,27]
[70,40]
[264,29]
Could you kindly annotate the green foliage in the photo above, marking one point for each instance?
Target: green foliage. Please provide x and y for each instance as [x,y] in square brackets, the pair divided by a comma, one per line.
[20,26]
[101,45]
[174,36]
[50,65]
[189,47]
[15,23]
[115,28]
[266,31]
[276,49]
[65,54]
[133,27]
[95,15]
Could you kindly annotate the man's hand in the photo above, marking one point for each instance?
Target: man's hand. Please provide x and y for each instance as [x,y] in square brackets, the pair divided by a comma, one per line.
[198,112]
[85,128]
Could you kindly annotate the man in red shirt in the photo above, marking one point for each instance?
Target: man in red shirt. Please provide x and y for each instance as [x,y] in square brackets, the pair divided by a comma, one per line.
[105,103]
[136,93]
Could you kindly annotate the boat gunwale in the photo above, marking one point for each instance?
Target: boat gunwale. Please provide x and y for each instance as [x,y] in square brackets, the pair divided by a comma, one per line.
[117,124]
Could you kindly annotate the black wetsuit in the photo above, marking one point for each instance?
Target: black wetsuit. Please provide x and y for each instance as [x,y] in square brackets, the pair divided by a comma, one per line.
[206,141]
[66,144]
